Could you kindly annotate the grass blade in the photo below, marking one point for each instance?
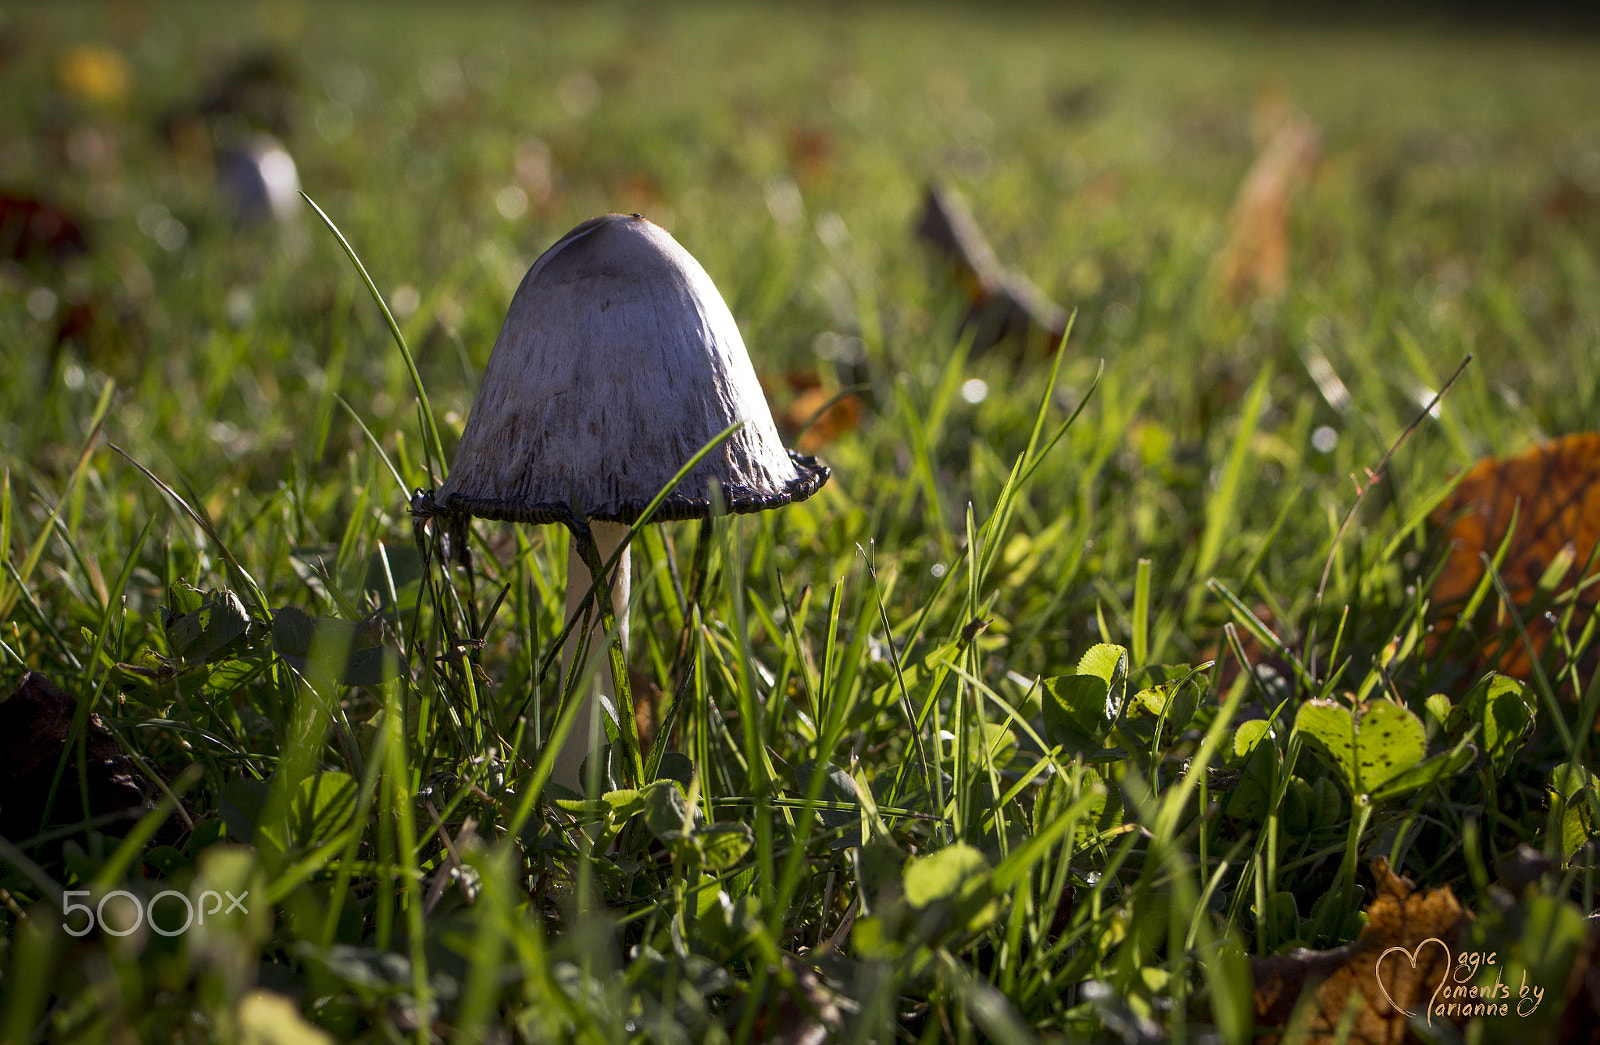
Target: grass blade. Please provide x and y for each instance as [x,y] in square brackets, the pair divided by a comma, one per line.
[430,426]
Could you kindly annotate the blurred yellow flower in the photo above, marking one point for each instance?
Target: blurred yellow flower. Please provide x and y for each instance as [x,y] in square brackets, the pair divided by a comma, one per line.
[94,73]
[266,1018]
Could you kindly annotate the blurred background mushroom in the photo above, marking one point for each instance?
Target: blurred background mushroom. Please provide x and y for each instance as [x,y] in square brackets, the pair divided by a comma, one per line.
[259,179]
[235,128]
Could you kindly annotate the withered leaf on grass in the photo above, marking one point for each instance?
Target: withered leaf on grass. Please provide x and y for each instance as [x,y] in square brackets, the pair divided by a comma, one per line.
[1580,1016]
[1398,917]
[798,1007]
[1567,200]
[817,413]
[1254,261]
[34,232]
[35,729]
[1000,304]
[810,151]
[1554,492]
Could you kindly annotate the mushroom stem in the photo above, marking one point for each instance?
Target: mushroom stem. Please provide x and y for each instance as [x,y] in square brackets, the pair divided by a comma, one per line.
[588,730]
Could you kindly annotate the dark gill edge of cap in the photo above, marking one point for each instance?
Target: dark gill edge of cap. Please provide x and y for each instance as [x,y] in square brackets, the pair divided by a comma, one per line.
[810,477]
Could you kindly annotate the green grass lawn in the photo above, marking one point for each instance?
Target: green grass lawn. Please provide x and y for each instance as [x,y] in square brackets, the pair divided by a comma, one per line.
[1004,735]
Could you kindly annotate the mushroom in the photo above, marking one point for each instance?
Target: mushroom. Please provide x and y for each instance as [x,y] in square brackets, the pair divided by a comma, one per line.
[617,363]
[259,179]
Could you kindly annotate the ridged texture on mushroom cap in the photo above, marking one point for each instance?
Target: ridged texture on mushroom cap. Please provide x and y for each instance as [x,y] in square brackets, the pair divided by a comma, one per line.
[617,362]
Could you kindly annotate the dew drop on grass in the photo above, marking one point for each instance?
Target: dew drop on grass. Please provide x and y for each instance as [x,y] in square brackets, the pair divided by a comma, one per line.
[41,303]
[511,202]
[150,218]
[833,232]
[334,122]
[579,94]
[1118,318]
[403,301]
[345,83]
[172,235]
[974,390]
[1324,439]
[440,79]
[240,306]
[784,202]
[839,347]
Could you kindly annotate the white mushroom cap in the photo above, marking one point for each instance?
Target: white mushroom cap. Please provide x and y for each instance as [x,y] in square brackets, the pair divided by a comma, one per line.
[259,179]
[618,361]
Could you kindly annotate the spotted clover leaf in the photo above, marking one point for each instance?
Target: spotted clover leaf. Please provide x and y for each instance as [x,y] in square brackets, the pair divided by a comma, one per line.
[1378,749]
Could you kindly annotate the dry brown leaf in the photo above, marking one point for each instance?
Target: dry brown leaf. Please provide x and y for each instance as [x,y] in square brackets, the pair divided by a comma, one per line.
[1102,192]
[1258,656]
[810,151]
[34,232]
[836,418]
[1580,1013]
[635,191]
[35,729]
[1567,201]
[1554,491]
[801,416]
[1000,304]
[798,1007]
[646,706]
[1399,917]
[1255,259]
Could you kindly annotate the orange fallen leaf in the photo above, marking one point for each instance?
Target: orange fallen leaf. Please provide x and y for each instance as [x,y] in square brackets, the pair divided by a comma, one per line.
[1255,258]
[1102,192]
[1257,654]
[1567,201]
[646,706]
[635,191]
[1399,917]
[1554,492]
[814,413]
[810,151]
